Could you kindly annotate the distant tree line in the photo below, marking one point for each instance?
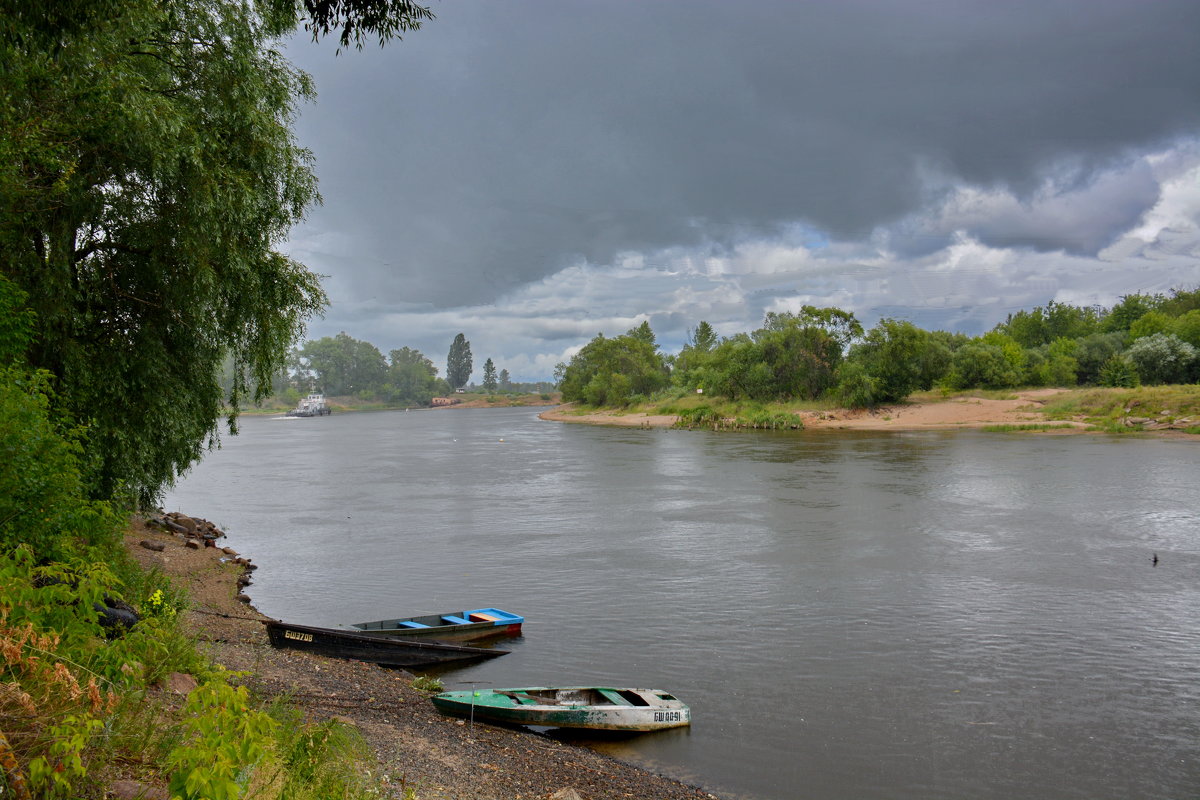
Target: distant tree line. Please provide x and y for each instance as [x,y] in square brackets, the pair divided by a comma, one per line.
[342,366]
[826,353]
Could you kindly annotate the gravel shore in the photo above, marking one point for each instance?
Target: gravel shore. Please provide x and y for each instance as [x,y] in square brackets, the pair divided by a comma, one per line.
[418,749]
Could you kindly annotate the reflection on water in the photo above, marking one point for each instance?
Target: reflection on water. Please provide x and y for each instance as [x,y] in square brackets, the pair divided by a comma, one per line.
[933,615]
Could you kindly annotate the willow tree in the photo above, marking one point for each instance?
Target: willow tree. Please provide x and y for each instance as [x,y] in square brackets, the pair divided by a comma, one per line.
[148,173]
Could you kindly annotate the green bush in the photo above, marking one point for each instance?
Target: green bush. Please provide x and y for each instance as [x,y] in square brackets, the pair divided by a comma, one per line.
[427,683]
[1163,358]
[316,760]
[700,415]
[770,420]
[855,387]
[1118,371]
[42,501]
[224,737]
[16,322]
[750,417]
[978,364]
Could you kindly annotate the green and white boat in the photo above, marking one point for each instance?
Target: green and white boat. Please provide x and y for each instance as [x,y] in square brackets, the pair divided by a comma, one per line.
[597,708]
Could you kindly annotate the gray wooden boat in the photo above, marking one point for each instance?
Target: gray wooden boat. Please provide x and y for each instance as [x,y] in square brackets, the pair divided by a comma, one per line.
[387,650]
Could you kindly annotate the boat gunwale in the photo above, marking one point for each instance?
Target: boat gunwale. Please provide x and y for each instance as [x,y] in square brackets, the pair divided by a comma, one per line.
[389,651]
[444,625]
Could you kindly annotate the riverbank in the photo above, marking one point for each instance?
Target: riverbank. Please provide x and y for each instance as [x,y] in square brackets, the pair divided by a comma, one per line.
[1031,409]
[959,412]
[422,754]
[274,406]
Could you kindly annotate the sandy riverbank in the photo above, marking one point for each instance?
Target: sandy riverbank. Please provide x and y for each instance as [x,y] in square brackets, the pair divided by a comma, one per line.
[955,413]
[438,757]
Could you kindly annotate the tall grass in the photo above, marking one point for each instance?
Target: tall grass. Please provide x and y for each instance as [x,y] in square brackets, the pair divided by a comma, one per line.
[1115,408]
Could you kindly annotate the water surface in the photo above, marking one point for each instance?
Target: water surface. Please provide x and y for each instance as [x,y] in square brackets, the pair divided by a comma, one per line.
[870,615]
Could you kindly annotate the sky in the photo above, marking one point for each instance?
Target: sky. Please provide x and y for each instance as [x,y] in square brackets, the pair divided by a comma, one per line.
[531,173]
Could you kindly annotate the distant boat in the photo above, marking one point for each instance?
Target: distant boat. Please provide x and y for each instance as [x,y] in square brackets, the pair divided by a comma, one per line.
[311,406]
[463,626]
[595,708]
[386,650]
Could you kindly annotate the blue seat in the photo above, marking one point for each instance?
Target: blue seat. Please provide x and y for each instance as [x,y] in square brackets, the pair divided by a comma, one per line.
[453,620]
[411,624]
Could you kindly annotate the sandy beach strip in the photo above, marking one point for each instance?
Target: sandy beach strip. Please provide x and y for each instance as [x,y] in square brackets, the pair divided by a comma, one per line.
[953,413]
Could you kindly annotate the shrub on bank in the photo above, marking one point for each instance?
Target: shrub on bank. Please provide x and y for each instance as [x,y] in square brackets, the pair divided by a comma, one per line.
[74,702]
[42,502]
[76,707]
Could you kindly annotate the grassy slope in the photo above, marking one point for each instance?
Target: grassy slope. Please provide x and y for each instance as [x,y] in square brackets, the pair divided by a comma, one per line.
[1120,409]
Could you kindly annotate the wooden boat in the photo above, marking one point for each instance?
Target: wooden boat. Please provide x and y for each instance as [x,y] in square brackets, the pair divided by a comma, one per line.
[478,623]
[575,707]
[386,650]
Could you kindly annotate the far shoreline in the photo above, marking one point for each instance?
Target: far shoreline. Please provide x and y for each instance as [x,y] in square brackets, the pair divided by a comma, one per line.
[1023,409]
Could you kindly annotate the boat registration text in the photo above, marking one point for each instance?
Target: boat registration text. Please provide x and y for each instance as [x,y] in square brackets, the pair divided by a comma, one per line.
[300,637]
[668,716]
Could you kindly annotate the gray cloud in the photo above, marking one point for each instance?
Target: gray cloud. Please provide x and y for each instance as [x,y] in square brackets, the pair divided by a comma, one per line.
[507,140]
[510,153]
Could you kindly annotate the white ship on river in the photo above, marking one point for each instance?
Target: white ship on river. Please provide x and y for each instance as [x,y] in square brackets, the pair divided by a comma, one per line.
[313,405]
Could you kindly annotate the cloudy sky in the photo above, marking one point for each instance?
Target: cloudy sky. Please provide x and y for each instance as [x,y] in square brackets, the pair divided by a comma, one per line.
[534,172]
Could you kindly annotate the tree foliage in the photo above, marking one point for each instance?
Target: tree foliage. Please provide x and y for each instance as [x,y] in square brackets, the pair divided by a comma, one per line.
[704,339]
[611,372]
[1150,323]
[643,333]
[1187,327]
[1181,302]
[856,387]
[16,323]
[412,379]
[1118,371]
[1131,308]
[1053,321]
[897,355]
[689,364]
[1093,352]
[794,355]
[355,20]
[148,171]
[823,353]
[1163,358]
[343,365]
[489,376]
[1053,364]
[458,362]
[978,364]
[42,499]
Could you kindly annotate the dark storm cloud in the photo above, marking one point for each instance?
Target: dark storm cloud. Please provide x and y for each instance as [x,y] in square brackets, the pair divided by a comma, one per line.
[508,140]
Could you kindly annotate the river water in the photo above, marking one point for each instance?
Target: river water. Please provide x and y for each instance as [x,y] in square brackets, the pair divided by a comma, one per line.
[917,615]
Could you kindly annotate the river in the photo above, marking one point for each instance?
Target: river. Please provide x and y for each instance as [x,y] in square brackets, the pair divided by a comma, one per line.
[901,615]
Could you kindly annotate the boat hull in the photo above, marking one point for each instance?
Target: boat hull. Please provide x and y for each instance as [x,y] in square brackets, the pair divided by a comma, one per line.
[459,626]
[589,708]
[392,652]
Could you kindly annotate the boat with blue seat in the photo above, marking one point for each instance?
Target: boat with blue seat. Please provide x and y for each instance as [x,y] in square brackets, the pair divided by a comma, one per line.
[475,623]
